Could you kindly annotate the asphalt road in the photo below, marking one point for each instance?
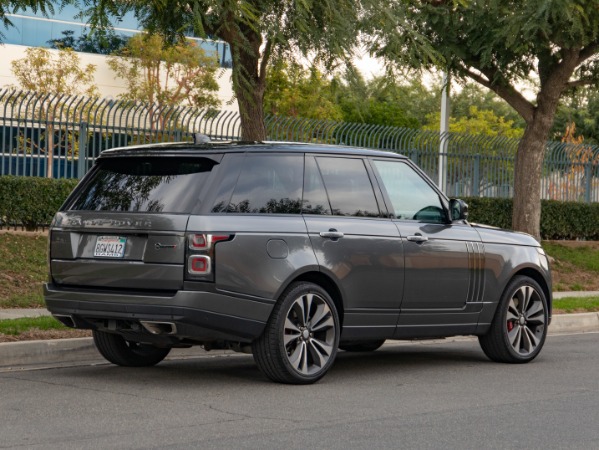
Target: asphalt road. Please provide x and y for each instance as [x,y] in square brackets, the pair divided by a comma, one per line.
[415,395]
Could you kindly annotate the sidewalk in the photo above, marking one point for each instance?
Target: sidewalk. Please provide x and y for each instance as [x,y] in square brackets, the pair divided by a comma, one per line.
[81,351]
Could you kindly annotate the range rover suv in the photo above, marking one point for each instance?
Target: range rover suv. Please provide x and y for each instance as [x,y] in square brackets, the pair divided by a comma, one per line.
[288,251]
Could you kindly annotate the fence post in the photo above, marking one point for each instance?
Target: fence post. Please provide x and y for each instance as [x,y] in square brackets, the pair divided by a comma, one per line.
[588,182]
[476,176]
[82,149]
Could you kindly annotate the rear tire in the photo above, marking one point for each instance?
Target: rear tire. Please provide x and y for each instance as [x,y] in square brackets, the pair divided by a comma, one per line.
[366,346]
[519,328]
[299,343]
[121,352]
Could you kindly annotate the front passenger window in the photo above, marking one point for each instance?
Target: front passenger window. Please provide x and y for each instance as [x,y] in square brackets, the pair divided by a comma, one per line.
[412,198]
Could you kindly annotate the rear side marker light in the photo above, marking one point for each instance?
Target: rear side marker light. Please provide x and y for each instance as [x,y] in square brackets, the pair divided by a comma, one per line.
[199,265]
[205,241]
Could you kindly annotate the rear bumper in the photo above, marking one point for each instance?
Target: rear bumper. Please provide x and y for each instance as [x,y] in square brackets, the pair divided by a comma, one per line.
[199,316]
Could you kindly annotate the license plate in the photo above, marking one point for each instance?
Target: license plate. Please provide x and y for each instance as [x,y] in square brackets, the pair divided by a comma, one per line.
[110,247]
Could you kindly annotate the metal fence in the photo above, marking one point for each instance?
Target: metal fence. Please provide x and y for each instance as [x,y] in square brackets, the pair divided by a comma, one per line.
[60,136]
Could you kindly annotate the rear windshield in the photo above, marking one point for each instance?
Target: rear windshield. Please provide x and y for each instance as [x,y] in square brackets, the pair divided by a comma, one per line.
[148,184]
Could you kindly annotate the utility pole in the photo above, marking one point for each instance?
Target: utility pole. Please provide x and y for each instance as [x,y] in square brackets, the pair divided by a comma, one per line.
[444,133]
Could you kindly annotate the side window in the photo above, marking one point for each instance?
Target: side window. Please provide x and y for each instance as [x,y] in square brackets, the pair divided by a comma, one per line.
[412,198]
[315,195]
[269,184]
[348,186]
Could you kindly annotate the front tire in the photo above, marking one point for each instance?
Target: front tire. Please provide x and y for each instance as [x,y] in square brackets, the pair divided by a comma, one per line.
[299,343]
[519,328]
[115,349]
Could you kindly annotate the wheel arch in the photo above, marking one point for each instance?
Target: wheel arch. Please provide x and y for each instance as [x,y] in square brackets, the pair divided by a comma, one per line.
[326,283]
[540,279]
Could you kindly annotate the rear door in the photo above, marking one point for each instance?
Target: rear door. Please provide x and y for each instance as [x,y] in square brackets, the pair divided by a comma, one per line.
[124,226]
[354,243]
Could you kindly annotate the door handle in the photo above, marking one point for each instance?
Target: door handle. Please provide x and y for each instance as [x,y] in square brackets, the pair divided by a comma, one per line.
[331,234]
[417,238]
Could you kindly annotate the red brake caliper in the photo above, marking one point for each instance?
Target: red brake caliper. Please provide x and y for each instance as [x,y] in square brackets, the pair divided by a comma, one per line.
[510,326]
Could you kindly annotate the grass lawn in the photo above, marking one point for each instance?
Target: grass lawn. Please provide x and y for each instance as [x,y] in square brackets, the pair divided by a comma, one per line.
[575,266]
[23,269]
[15,327]
[576,305]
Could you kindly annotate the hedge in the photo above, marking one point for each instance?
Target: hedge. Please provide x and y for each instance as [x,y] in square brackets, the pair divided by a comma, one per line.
[31,202]
[559,220]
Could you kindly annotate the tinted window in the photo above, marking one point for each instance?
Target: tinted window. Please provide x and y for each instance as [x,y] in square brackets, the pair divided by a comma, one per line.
[269,184]
[315,195]
[348,187]
[147,184]
[412,198]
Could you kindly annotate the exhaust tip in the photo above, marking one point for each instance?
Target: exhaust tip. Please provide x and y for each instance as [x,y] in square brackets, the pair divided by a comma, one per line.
[159,327]
[65,320]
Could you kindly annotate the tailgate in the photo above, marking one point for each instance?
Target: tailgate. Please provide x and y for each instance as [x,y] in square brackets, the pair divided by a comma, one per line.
[115,250]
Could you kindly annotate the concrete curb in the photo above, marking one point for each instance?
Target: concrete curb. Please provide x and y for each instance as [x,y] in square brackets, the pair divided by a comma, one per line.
[81,351]
[25,355]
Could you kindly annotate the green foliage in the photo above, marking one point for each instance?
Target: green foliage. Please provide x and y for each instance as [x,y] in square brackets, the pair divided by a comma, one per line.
[477,122]
[576,304]
[15,327]
[377,102]
[31,201]
[580,107]
[581,257]
[166,74]
[294,91]
[559,220]
[496,212]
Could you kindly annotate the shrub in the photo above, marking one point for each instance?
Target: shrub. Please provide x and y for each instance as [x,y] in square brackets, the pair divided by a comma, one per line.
[559,220]
[31,201]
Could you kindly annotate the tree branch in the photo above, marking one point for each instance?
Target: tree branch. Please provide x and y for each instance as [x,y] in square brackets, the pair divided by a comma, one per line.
[265,57]
[587,52]
[506,92]
[579,83]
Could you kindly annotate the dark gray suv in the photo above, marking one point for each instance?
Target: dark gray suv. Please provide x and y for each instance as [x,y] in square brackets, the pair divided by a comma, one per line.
[287,251]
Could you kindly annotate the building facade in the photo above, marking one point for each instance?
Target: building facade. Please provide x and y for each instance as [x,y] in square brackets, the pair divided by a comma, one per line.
[32,29]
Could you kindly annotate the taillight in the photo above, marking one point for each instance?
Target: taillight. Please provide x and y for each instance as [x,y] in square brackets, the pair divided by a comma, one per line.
[200,255]
[198,265]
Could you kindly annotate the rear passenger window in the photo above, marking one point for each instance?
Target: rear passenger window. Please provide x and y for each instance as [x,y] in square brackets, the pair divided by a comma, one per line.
[348,186]
[269,184]
[315,195]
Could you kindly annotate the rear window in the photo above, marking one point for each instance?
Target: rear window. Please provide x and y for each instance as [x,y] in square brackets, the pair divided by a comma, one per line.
[144,184]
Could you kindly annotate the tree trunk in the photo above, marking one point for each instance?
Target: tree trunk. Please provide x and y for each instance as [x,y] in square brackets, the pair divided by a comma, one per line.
[249,82]
[251,111]
[526,215]
[530,155]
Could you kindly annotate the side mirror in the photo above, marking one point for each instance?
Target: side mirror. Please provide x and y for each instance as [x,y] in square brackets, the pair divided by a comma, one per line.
[458,209]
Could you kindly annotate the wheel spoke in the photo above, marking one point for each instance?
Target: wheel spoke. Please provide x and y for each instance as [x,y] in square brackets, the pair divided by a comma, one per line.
[299,309]
[308,299]
[298,358]
[318,356]
[289,325]
[517,341]
[320,312]
[325,324]
[534,341]
[512,311]
[527,292]
[535,310]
